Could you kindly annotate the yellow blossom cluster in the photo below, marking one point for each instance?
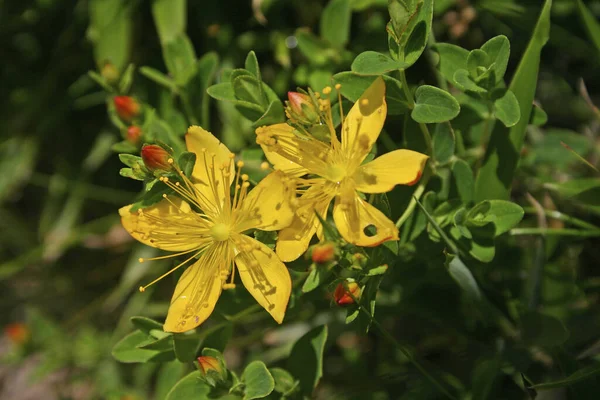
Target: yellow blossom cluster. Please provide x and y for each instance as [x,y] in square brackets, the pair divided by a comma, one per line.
[206,219]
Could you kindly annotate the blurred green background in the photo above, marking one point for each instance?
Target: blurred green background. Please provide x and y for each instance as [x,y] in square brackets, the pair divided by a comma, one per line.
[69,272]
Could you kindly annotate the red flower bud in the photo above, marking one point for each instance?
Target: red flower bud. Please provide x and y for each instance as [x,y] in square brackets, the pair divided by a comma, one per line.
[155,157]
[297,99]
[323,253]
[134,134]
[208,363]
[127,107]
[342,295]
[301,109]
[18,333]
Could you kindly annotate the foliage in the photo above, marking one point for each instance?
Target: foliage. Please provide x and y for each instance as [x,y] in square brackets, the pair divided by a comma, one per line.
[491,291]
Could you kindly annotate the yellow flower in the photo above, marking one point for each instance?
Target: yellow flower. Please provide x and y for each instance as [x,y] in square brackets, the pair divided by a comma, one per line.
[207,225]
[337,173]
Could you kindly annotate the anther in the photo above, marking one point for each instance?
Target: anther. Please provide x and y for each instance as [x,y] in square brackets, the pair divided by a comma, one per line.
[240,164]
[327,90]
[170,161]
[164,196]
[264,166]
[141,260]
[142,289]
[244,177]
[338,86]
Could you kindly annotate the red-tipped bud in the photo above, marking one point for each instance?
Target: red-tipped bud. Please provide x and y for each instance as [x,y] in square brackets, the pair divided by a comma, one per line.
[342,296]
[110,73]
[18,333]
[134,134]
[300,108]
[155,157]
[127,107]
[323,253]
[208,363]
[297,99]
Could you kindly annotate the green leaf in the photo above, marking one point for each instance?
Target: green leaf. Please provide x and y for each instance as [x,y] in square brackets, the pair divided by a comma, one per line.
[313,48]
[577,376]
[110,31]
[353,86]
[463,276]
[502,215]
[258,380]
[463,178]
[463,81]
[251,65]
[306,359]
[374,63]
[498,50]
[496,174]
[485,376]
[251,111]
[317,276]
[415,45]
[443,143]
[145,324]
[542,330]
[217,339]
[186,162]
[434,105]
[190,387]
[222,91]
[335,22]
[170,18]
[585,190]
[248,88]
[127,350]
[275,114]
[590,22]
[477,58]
[506,109]
[186,345]
[284,381]
[127,79]
[538,116]
[167,377]
[159,78]
[180,59]
[452,58]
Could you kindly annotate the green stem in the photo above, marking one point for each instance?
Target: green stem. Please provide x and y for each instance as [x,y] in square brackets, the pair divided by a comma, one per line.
[554,214]
[416,196]
[185,102]
[554,232]
[403,349]
[429,55]
[411,105]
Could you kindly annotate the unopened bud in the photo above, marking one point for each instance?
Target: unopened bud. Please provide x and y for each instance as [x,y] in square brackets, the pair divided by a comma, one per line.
[155,157]
[300,108]
[323,253]
[127,107]
[208,363]
[134,134]
[343,296]
[110,73]
[18,333]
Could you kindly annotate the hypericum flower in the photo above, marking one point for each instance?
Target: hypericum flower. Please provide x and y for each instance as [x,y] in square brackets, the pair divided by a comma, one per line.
[207,224]
[323,253]
[300,108]
[345,291]
[337,174]
[127,107]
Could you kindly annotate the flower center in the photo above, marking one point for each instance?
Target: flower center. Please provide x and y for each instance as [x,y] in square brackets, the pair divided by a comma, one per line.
[220,232]
[336,173]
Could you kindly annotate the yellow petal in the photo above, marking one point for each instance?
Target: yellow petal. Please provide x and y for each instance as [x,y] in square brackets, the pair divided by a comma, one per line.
[264,276]
[364,122]
[164,225]
[269,205]
[298,155]
[293,241]
[352,216]
[210,152]
[279,162]
[399,167]
[196,292]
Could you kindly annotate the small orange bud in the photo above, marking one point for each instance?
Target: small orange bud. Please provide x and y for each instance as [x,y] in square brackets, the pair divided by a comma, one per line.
[110,73]
[297,99]
[342,296]
[155,157]
[127,107]
[208,363]
[18,333]
[300,108]
[323,253]
[134,133]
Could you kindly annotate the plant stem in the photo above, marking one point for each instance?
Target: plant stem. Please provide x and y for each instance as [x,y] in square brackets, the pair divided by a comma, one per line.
[555,232]
[555,214]
[411,105]
[185,102]
[416,196]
